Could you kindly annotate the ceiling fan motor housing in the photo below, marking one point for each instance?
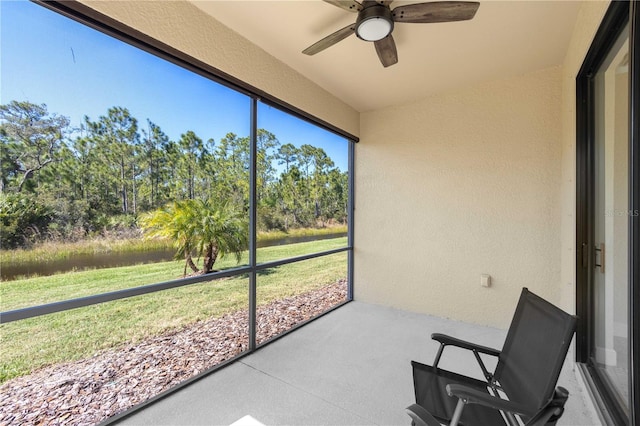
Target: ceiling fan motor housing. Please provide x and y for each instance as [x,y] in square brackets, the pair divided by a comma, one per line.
[373,22]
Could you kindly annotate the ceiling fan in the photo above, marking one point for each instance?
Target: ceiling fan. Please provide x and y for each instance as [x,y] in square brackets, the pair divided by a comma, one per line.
[375,22]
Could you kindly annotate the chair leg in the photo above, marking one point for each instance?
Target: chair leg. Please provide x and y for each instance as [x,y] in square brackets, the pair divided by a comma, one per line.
[511,419]
[457,413]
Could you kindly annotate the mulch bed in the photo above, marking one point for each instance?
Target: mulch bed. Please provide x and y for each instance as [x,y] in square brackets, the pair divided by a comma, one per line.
[88,391]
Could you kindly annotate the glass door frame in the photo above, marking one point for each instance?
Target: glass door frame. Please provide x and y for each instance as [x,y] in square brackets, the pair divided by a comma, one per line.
[619,14]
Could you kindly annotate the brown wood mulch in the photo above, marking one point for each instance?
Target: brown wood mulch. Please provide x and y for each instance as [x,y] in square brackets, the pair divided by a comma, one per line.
[88,391]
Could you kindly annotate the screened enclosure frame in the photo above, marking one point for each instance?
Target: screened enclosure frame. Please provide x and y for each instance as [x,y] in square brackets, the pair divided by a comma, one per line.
[89,17]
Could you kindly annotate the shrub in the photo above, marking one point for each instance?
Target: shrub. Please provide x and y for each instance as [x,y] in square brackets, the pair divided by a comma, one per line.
[23,219]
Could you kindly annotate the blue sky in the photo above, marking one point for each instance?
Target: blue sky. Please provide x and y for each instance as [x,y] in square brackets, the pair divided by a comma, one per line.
[77,71]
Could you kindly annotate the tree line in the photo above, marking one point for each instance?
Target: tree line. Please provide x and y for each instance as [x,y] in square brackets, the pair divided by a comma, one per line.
[59,182]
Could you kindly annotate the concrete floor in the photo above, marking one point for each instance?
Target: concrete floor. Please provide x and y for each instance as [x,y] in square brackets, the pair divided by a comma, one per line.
[350,367]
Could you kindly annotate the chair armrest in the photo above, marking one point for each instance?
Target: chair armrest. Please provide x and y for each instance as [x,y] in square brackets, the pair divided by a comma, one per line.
[421,417]
[473,396]
[448,340]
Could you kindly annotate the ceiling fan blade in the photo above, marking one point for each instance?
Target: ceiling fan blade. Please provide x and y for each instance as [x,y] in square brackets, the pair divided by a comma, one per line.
[330,40]
[442,11]
[350,5]
[387,52]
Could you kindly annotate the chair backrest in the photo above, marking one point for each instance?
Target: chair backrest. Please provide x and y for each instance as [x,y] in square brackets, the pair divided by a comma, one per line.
[534,350]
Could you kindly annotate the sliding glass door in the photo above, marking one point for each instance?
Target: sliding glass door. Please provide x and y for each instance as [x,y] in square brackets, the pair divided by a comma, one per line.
[607,216]
[610,251]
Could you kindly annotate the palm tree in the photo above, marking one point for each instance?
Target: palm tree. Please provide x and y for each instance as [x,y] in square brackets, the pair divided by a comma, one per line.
[220,230]
[199,227]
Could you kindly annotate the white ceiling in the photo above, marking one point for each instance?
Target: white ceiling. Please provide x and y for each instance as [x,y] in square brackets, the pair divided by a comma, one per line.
[506,38]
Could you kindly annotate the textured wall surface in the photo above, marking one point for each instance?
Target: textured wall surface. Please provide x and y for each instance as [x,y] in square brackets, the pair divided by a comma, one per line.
[188,29]
[457,185]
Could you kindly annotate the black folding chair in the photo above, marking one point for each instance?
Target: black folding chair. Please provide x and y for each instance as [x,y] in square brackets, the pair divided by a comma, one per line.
[523,385]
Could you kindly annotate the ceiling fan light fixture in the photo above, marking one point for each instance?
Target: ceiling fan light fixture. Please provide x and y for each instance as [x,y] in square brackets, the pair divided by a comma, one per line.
[374,29]
[374,22]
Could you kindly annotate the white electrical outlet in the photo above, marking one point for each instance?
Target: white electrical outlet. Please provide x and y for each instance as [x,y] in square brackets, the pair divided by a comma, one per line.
[485,280]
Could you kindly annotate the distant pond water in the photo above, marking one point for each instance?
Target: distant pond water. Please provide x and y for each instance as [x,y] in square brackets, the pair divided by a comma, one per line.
[113,260]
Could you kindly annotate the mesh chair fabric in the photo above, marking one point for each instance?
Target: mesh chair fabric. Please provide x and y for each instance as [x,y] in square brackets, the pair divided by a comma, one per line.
[430,383]
[534,351]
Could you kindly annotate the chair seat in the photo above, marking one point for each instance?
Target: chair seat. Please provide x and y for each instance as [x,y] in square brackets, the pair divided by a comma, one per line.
[430,383]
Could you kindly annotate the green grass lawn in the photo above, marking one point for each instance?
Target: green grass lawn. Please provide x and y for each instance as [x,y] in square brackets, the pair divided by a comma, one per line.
[79,333]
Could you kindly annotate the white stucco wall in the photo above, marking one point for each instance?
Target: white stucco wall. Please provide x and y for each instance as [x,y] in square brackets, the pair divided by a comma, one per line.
[185,27]
[480,180]
[460,184]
